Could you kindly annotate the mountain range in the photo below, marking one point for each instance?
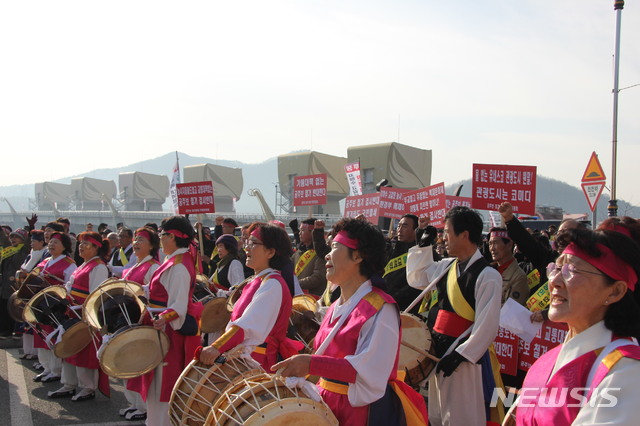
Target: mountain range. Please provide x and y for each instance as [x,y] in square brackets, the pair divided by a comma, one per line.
[264,176]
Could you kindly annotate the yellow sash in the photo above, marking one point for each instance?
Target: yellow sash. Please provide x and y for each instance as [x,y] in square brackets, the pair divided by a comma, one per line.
[304,260]
[7,252]
[458,302]
[123,257]
[395,264]
[540,299]
[533,278]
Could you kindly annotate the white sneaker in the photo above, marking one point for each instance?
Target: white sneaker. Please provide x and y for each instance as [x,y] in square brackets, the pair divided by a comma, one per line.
[123,411]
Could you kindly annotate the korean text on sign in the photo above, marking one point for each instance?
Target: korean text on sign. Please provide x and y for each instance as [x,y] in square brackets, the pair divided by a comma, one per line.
[429,202]
[195,198]
[392,202]
[366,205]
[310,190]
[494,184]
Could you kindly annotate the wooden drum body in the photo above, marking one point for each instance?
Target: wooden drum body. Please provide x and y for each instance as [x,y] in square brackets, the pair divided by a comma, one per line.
[200,385]
[416,341]
[266,400]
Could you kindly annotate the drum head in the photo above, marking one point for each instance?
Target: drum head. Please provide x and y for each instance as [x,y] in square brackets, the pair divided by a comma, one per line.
[415,332]
[215,315]
[303,303]
[15,306]
[48,302]
[234,295]
[201,289]
[134,351]
[76,337]
[31,285]
[268,401]
[103,307]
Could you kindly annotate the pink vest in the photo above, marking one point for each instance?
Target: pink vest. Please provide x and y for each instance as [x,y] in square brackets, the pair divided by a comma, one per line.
[158,296]
[57,269]
[138,272]
[541,394]
[80,287]
[277,341]
[345,343]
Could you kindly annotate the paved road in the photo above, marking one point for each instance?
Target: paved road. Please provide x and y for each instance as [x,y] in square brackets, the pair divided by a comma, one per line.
[24,402]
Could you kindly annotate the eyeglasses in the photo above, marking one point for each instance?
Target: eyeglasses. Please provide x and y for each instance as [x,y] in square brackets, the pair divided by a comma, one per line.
[567,270]
[250,243]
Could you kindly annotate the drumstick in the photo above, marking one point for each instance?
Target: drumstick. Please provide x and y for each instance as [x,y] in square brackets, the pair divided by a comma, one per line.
[420,351]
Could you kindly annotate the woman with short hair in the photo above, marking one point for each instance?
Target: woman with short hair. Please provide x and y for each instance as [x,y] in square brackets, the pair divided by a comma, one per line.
[357,346]
[594,373]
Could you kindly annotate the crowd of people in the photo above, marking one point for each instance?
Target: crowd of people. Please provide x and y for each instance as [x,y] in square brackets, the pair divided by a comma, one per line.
[454,280]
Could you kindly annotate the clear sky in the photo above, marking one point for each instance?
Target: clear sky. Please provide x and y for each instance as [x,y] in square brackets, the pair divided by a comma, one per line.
[88,84]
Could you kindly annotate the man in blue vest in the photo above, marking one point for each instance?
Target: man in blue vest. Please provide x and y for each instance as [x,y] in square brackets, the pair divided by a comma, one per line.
[463,317]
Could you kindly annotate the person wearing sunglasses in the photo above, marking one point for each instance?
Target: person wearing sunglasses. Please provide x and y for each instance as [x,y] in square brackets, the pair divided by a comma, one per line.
[592,377]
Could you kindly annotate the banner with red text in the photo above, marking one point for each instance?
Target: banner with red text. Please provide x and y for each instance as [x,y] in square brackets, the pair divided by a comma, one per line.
[494,184]
[429,202]
[506,347]
[310,190]
[195,197]
[353,177]
[550,335]
[366,205]
[453,201]
[392,202]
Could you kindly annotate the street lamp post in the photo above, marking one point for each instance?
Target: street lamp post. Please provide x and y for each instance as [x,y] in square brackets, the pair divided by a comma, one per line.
[618,5]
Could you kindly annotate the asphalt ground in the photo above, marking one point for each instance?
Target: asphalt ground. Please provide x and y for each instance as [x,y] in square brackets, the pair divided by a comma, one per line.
[24,402]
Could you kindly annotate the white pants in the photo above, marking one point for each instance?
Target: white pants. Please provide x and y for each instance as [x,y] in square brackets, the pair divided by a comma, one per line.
[457,399]
[27,344]
[134,399]
[50,362]
[79,377]
[157,412]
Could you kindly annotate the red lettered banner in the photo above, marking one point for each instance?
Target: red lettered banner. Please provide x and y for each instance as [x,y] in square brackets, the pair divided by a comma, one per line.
[506,346]
[453,201]
[550,335]
[392,202]
[195,197]
[310,190]
[429,202]
[366,205]
[494,184]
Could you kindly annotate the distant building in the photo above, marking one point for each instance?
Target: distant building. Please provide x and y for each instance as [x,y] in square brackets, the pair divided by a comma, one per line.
[227,183]
[313,163]
[93,194]
[142,191]
[402,166]
[53,195]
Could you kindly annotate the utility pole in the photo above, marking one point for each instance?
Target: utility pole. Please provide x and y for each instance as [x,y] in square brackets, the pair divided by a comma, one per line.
[618,5]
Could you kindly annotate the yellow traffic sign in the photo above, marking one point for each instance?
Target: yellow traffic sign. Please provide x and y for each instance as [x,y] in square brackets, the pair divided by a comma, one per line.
[594,170]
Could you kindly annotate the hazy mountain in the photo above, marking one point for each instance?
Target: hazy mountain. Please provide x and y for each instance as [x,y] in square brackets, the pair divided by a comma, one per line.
[264,176]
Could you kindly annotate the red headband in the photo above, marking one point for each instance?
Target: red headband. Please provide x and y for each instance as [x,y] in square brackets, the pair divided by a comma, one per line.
[608,263]
[257,233]
[620,229]
[144,234]
[343,238]
[56,237]
[176,233]
[92,240]
[501,234]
